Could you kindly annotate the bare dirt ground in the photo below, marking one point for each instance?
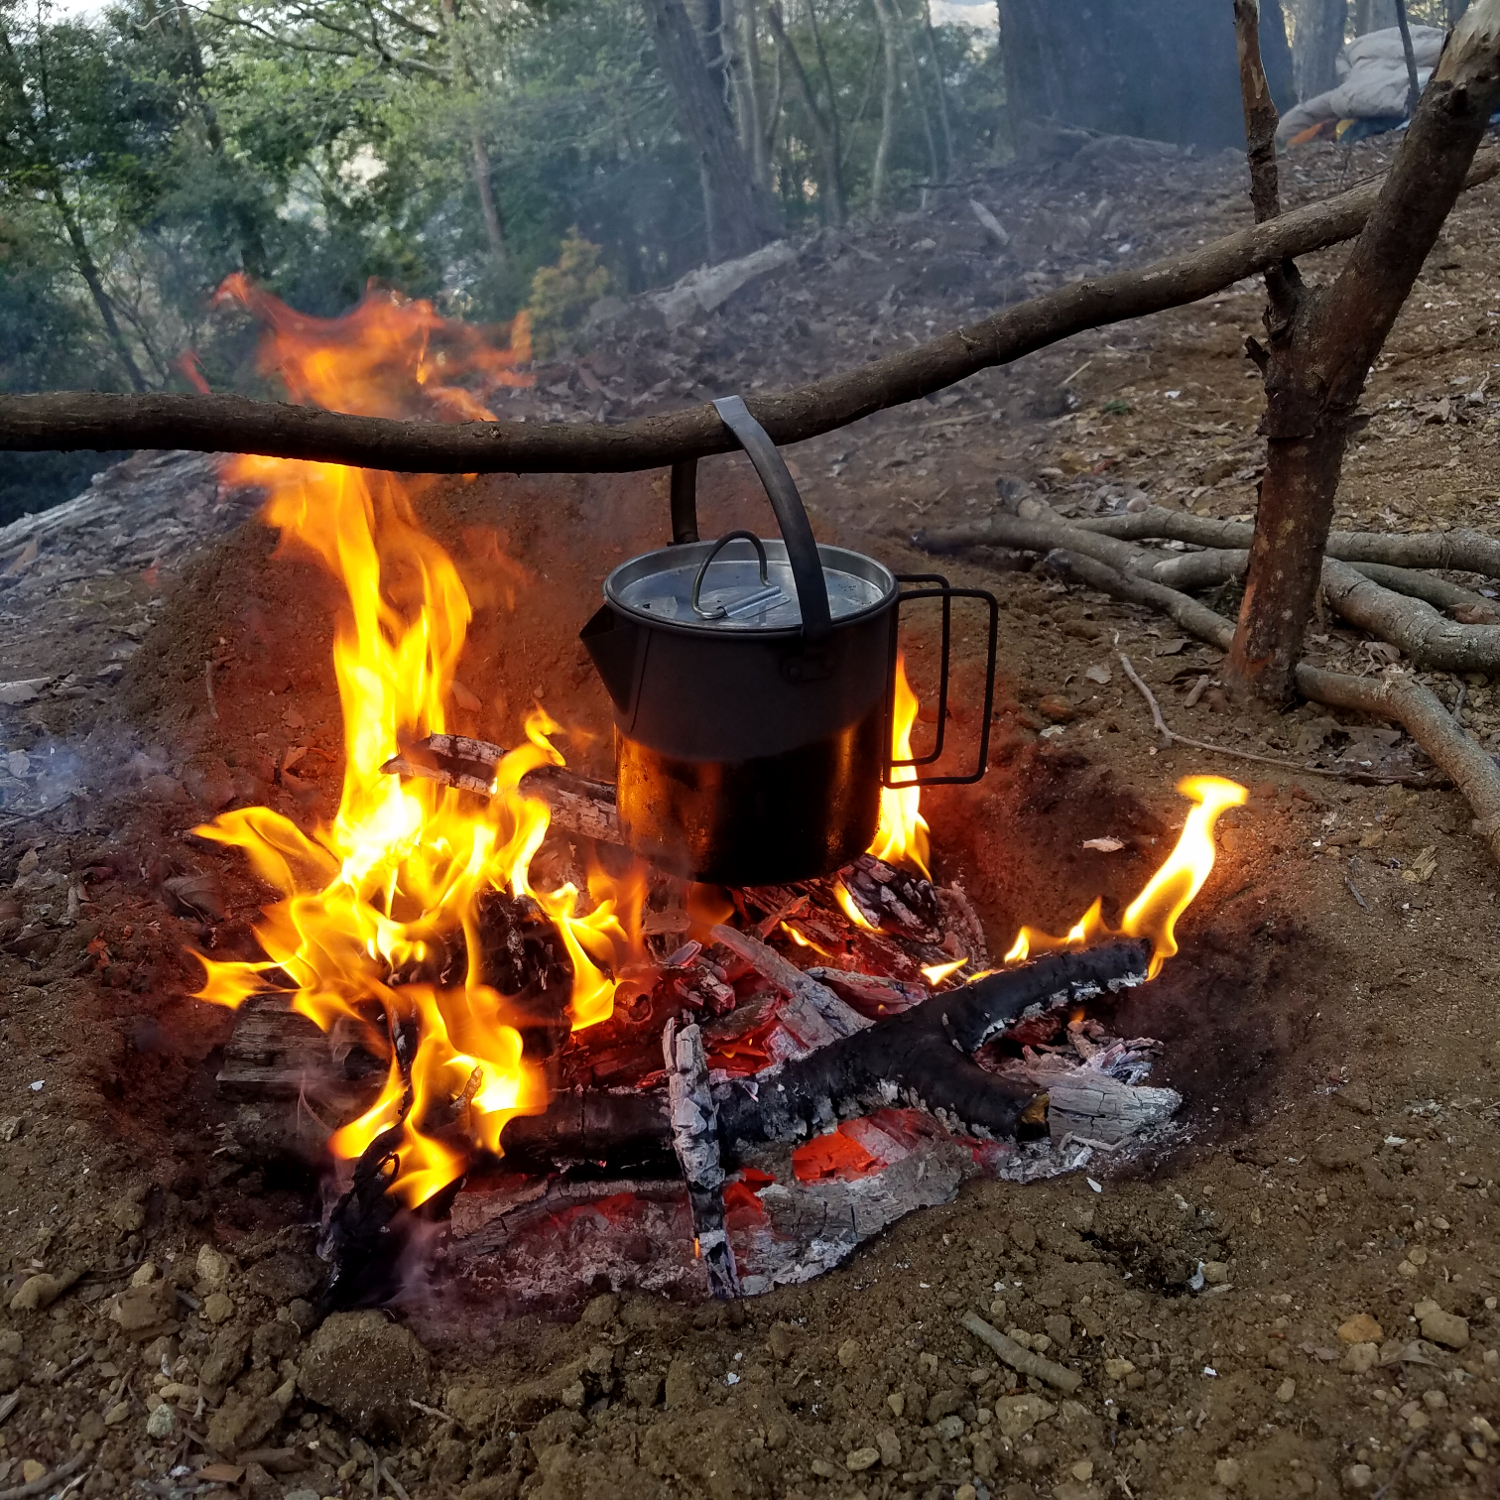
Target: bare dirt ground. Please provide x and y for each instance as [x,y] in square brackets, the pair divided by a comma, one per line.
[1330,1019]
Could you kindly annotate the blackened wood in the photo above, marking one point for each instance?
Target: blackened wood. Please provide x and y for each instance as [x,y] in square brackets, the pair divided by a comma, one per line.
[73,420]
[1318,357]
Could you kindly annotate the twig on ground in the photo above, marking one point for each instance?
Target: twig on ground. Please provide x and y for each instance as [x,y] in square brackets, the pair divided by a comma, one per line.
[1021,1359]
[45,1483]
[1170,737]
[1401,1462]
[1354,890]
[433,1411]
[208,682]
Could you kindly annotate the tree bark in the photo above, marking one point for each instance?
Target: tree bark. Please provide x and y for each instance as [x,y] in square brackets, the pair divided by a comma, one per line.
[918,93]
[1321,347]
[889,46]
[489,211]
[740,215]
[825,143]
[1320,36]
[941,87]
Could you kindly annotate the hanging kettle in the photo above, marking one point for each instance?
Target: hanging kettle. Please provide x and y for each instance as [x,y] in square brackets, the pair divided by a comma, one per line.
[753,683]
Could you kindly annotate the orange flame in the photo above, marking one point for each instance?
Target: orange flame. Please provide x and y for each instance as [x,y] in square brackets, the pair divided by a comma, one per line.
[901,838]
[394,881]
[1154,913]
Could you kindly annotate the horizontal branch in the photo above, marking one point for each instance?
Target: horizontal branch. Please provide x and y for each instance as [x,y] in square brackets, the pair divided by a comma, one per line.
[70,420]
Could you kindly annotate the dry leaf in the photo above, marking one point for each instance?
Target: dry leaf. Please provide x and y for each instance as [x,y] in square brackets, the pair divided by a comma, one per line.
[1172,647]
[464,698]
[1423,867]
[1107,845]
[1101,675]
[220,1474]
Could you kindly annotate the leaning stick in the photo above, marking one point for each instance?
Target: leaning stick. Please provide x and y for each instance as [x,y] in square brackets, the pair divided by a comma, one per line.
[1021,1359]
[70,420]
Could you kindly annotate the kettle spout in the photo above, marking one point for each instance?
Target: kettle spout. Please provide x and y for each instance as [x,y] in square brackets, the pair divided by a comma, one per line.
[617,648]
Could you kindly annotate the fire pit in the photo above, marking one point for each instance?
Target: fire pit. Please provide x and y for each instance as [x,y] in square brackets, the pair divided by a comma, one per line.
[625,1075]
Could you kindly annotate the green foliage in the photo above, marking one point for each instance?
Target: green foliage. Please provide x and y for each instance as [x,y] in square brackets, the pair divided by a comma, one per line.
[148,151]
[561,295]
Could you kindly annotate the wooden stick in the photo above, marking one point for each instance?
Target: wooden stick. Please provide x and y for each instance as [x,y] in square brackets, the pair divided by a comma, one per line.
[1020,1359]
[72,420]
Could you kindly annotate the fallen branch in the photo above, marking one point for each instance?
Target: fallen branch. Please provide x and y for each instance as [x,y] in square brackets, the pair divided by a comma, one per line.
[1022,1360]
[70,420]
[1397,696]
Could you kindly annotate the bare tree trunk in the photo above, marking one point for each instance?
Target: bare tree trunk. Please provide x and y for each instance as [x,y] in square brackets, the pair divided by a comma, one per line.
[484,188]
[1320,35]
[1373,15]
[1322,344]
[830,184]
[890,45]
[919,94]
[941,87]
[1413,88]
[744,82]
[741,216]
[835,124]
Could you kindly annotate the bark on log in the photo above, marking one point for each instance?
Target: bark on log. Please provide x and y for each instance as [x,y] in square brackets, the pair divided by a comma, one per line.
[1397,696]
[1426,637]
[1322,344]
[72,420]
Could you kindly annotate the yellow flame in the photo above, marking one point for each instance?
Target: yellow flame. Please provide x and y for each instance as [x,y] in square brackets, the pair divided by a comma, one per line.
[935,974]
[901,838]
[803,941]
[397,877]
[1154,913]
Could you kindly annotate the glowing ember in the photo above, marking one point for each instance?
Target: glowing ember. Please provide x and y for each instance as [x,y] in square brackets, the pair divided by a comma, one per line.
[901,838]
[400,871]
[1154,913]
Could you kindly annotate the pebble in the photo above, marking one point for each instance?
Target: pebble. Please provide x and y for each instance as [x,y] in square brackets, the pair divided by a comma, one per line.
[218,1308]
[950,1428]
[823,1469]
[31,1470]
[39,1291]
[162,1423]
[117,1414]
[849,1352]
[1215,1272]
[1118,1369]
[897,1403]
[966,1492]
[862,1459]
[1017,1415]
[1058,709]
[212,1269]
[1361,1329]
[1083,1470]
[12,1127]
[1358,1476]
[1286,1390]
[890,1447]
[144,1274]
[1227,1472]
[1445,1328]
[1360,1359]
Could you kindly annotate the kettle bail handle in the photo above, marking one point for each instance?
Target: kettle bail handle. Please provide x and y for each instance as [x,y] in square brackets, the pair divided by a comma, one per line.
[791,517]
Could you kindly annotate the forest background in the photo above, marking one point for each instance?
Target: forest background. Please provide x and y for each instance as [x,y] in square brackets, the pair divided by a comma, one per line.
[494,155]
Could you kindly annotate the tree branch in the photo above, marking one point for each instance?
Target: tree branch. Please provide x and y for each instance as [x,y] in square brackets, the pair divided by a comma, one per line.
[71,420]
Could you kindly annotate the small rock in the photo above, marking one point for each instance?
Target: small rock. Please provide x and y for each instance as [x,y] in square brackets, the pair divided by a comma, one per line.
[1100,674]
[897,1403]
[849,1353]
[1058,709]
[862,1459]
[779,1342]
[1355,1096]
[10,1343]
[1445,1328]
[40,1291]
[889,1445]
[1083,1470]
[1227,1472]
[162,1423]
[1358,1476]
[1017,1415]
[1118,1369]
[218,1308]
[823,1469]
[127,1216]
[31,1470]
[1059,1329]
[949,1428]
[944,1402]
[144,1274]
[212,1269]
[1023,1236]
[117,1414]
[1215,1272]
[681,1384]
[1286,1390]
[1361,1329]
[966,1492]
[367,1369]
[12,1127]
[1360,1359]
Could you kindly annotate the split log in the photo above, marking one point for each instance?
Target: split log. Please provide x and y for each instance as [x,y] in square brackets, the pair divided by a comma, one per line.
[694,1120]
[71,420]
[580,806]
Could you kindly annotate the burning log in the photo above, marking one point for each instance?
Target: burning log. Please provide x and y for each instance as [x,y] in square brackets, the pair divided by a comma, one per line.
[694,1118]
[579,806]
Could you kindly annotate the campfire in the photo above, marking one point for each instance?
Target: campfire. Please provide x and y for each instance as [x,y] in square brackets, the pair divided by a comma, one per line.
[739,1083]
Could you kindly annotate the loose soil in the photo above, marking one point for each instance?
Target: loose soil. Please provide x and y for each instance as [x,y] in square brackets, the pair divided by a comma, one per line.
[1330,1019]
